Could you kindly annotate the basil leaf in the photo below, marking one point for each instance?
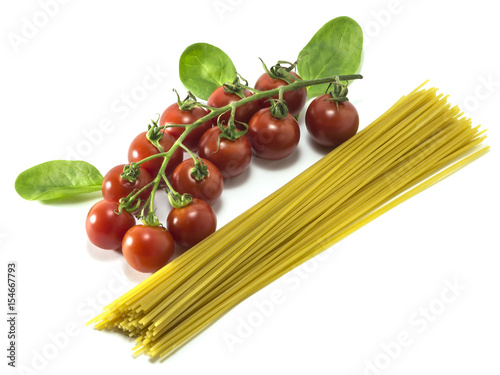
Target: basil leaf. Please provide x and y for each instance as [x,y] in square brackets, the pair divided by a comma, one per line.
[58,179]
[203,68]
[334,50]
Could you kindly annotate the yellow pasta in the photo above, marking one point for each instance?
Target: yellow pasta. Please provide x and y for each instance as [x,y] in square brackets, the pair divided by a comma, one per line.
[420,140]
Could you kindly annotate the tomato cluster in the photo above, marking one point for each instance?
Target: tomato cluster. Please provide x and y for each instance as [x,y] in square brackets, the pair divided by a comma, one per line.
[147,248]
[217,148]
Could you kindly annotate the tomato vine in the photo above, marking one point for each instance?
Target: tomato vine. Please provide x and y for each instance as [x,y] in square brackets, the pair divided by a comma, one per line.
[154,131]
[219,135]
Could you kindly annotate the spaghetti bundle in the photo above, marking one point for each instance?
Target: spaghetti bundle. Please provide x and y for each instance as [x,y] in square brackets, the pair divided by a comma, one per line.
[418,141]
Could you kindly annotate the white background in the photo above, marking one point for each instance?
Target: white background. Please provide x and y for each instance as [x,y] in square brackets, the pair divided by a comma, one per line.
[336,315]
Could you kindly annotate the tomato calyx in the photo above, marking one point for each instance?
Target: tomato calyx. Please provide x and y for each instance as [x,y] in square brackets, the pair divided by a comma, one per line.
[179,200]
[187,104]
[155,133]
[236,87]
[278,71]
[278,108]
[151,220]
[339,92]
[230,132]
[130,203]
[199,170]
[131,172]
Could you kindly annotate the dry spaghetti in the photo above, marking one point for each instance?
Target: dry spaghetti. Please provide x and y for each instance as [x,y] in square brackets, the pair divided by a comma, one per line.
[418,141]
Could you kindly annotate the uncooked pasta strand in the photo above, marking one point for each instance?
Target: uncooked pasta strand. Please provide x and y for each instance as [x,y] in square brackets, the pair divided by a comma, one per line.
[399,155]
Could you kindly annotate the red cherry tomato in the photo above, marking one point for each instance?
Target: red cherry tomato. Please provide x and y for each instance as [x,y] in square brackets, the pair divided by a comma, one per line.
[105,229]
[209,188]
[232,157]
[147,249]
[114,187]
[328,126]
[192,223]
[295,100]
[173,115]
[273,138]
[220,98]
[141,148]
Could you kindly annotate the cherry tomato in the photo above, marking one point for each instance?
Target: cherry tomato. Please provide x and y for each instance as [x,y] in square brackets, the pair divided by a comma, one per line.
[104,227]
[328,126]
[295,100]
[220,98]
[141,148]
[173,115]
[147,249]
[232,157]
[114,187]
[209,188]
[273,138]
[192,223]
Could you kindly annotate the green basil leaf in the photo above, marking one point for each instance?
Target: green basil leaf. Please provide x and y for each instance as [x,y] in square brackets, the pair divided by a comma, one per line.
[203,68]
[58,179]
[334,50]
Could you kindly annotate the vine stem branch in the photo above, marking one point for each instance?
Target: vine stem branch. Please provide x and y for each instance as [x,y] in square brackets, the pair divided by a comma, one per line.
[215,112]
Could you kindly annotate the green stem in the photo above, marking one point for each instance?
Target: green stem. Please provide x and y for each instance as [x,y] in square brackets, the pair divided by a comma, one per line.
[136,194]
[173,126]
[169,186]
[231,122]
[215,112]
[143,211]
[279,108]
[263,94]
[151,219]
[189,152]
[205,106]
[199,170]
[254,90]
[151,157]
